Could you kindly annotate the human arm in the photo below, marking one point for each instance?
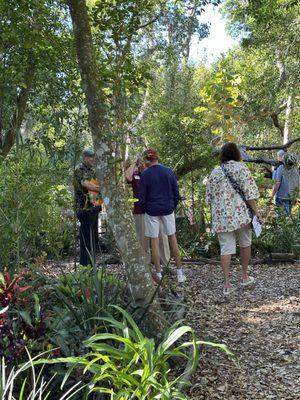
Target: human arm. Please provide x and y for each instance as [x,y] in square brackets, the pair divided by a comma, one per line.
[129,172]
[277,178]
[253,206]
[275,189]
[90,186]
[296,190]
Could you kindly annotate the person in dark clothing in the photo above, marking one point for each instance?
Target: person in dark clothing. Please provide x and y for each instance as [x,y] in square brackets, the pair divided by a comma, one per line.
[87,210]
[158,199]
[133,177]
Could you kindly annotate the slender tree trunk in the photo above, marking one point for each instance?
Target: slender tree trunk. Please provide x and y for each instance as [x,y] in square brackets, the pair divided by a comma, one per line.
[289,106]
[18,117]
[119,216]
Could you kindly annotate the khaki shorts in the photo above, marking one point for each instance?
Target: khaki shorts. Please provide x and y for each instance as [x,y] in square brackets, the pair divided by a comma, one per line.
[139,220]
[152,225]
[227,240]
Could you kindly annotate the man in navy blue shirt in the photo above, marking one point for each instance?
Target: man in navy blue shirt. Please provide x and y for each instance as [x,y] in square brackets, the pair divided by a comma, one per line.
[158,199]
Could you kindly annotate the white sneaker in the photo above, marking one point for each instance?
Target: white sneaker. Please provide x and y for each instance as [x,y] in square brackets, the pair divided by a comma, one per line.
[181,278]
[228,290]
[159,276]
[248,281]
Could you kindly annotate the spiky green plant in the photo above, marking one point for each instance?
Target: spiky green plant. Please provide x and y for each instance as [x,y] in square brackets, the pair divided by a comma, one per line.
[127,365]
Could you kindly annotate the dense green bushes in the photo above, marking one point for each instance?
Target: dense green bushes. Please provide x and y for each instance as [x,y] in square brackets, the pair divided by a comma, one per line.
[41,313]
[32,196]
[279,235]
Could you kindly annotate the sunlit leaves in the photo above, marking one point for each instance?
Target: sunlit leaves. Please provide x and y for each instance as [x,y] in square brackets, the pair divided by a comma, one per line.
[221,99]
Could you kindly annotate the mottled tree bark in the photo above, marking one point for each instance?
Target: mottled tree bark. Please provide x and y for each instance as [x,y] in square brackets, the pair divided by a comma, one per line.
[289,107]
[119,216]
[9,138]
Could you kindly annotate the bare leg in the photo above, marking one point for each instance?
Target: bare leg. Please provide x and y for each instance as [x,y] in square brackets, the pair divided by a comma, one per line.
[175,250]
[155,253]
[245,259]
[225,264]
[164,249]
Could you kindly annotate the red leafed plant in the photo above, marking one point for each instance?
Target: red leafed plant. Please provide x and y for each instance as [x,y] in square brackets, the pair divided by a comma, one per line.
[9,287]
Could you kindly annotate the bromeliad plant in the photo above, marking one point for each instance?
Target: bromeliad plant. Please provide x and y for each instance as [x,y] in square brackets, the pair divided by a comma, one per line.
[21,328]
[126,365]
[10,291]
[81,299]
[22,321]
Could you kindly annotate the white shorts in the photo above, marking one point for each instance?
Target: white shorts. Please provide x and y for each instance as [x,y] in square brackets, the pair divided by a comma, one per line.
[227,240]
[152,225]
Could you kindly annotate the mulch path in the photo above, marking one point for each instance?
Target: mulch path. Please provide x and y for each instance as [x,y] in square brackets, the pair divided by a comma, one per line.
[261,325]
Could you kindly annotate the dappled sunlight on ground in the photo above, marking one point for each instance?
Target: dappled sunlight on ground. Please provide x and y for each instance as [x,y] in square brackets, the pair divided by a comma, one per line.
[260,324]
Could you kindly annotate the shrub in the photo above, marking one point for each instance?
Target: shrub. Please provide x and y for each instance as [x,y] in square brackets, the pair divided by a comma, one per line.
[126,365]
[31,199]
[278,236]
[80,300]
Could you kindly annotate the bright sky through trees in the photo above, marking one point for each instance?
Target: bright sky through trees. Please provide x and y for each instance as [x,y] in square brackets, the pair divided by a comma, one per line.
[218,42]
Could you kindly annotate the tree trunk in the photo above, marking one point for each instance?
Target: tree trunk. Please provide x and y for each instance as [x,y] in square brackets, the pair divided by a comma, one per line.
[119,216]
[18,116]
[289,106]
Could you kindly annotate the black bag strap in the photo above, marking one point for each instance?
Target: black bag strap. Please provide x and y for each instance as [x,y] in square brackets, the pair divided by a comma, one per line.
[237,188]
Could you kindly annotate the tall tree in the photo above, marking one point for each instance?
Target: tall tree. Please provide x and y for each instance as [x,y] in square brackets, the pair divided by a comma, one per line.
[113,192]
[32,42]
[273,27]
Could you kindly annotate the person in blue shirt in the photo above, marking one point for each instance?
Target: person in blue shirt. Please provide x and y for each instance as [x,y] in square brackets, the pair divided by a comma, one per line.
[280,155]
[158,199]
[287,184]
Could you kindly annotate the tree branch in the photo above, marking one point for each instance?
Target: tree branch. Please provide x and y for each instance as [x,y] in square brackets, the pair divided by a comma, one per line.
[276,123]
[262,160]
[264,113]
[201,161]
[149,22]
[273,147]
[191,165]
[135,123]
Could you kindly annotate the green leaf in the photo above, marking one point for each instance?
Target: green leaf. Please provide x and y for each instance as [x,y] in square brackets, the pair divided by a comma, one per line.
[26,317]
[37,306]
[2,280]
[22,389]
[112,351]
[131,321]
[108,336]
[172,338]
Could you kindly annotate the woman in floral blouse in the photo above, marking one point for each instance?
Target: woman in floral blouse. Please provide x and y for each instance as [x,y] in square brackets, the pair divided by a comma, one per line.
[230,215]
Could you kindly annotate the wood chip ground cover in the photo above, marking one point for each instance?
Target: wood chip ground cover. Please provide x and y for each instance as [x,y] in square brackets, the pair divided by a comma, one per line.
[261,325]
